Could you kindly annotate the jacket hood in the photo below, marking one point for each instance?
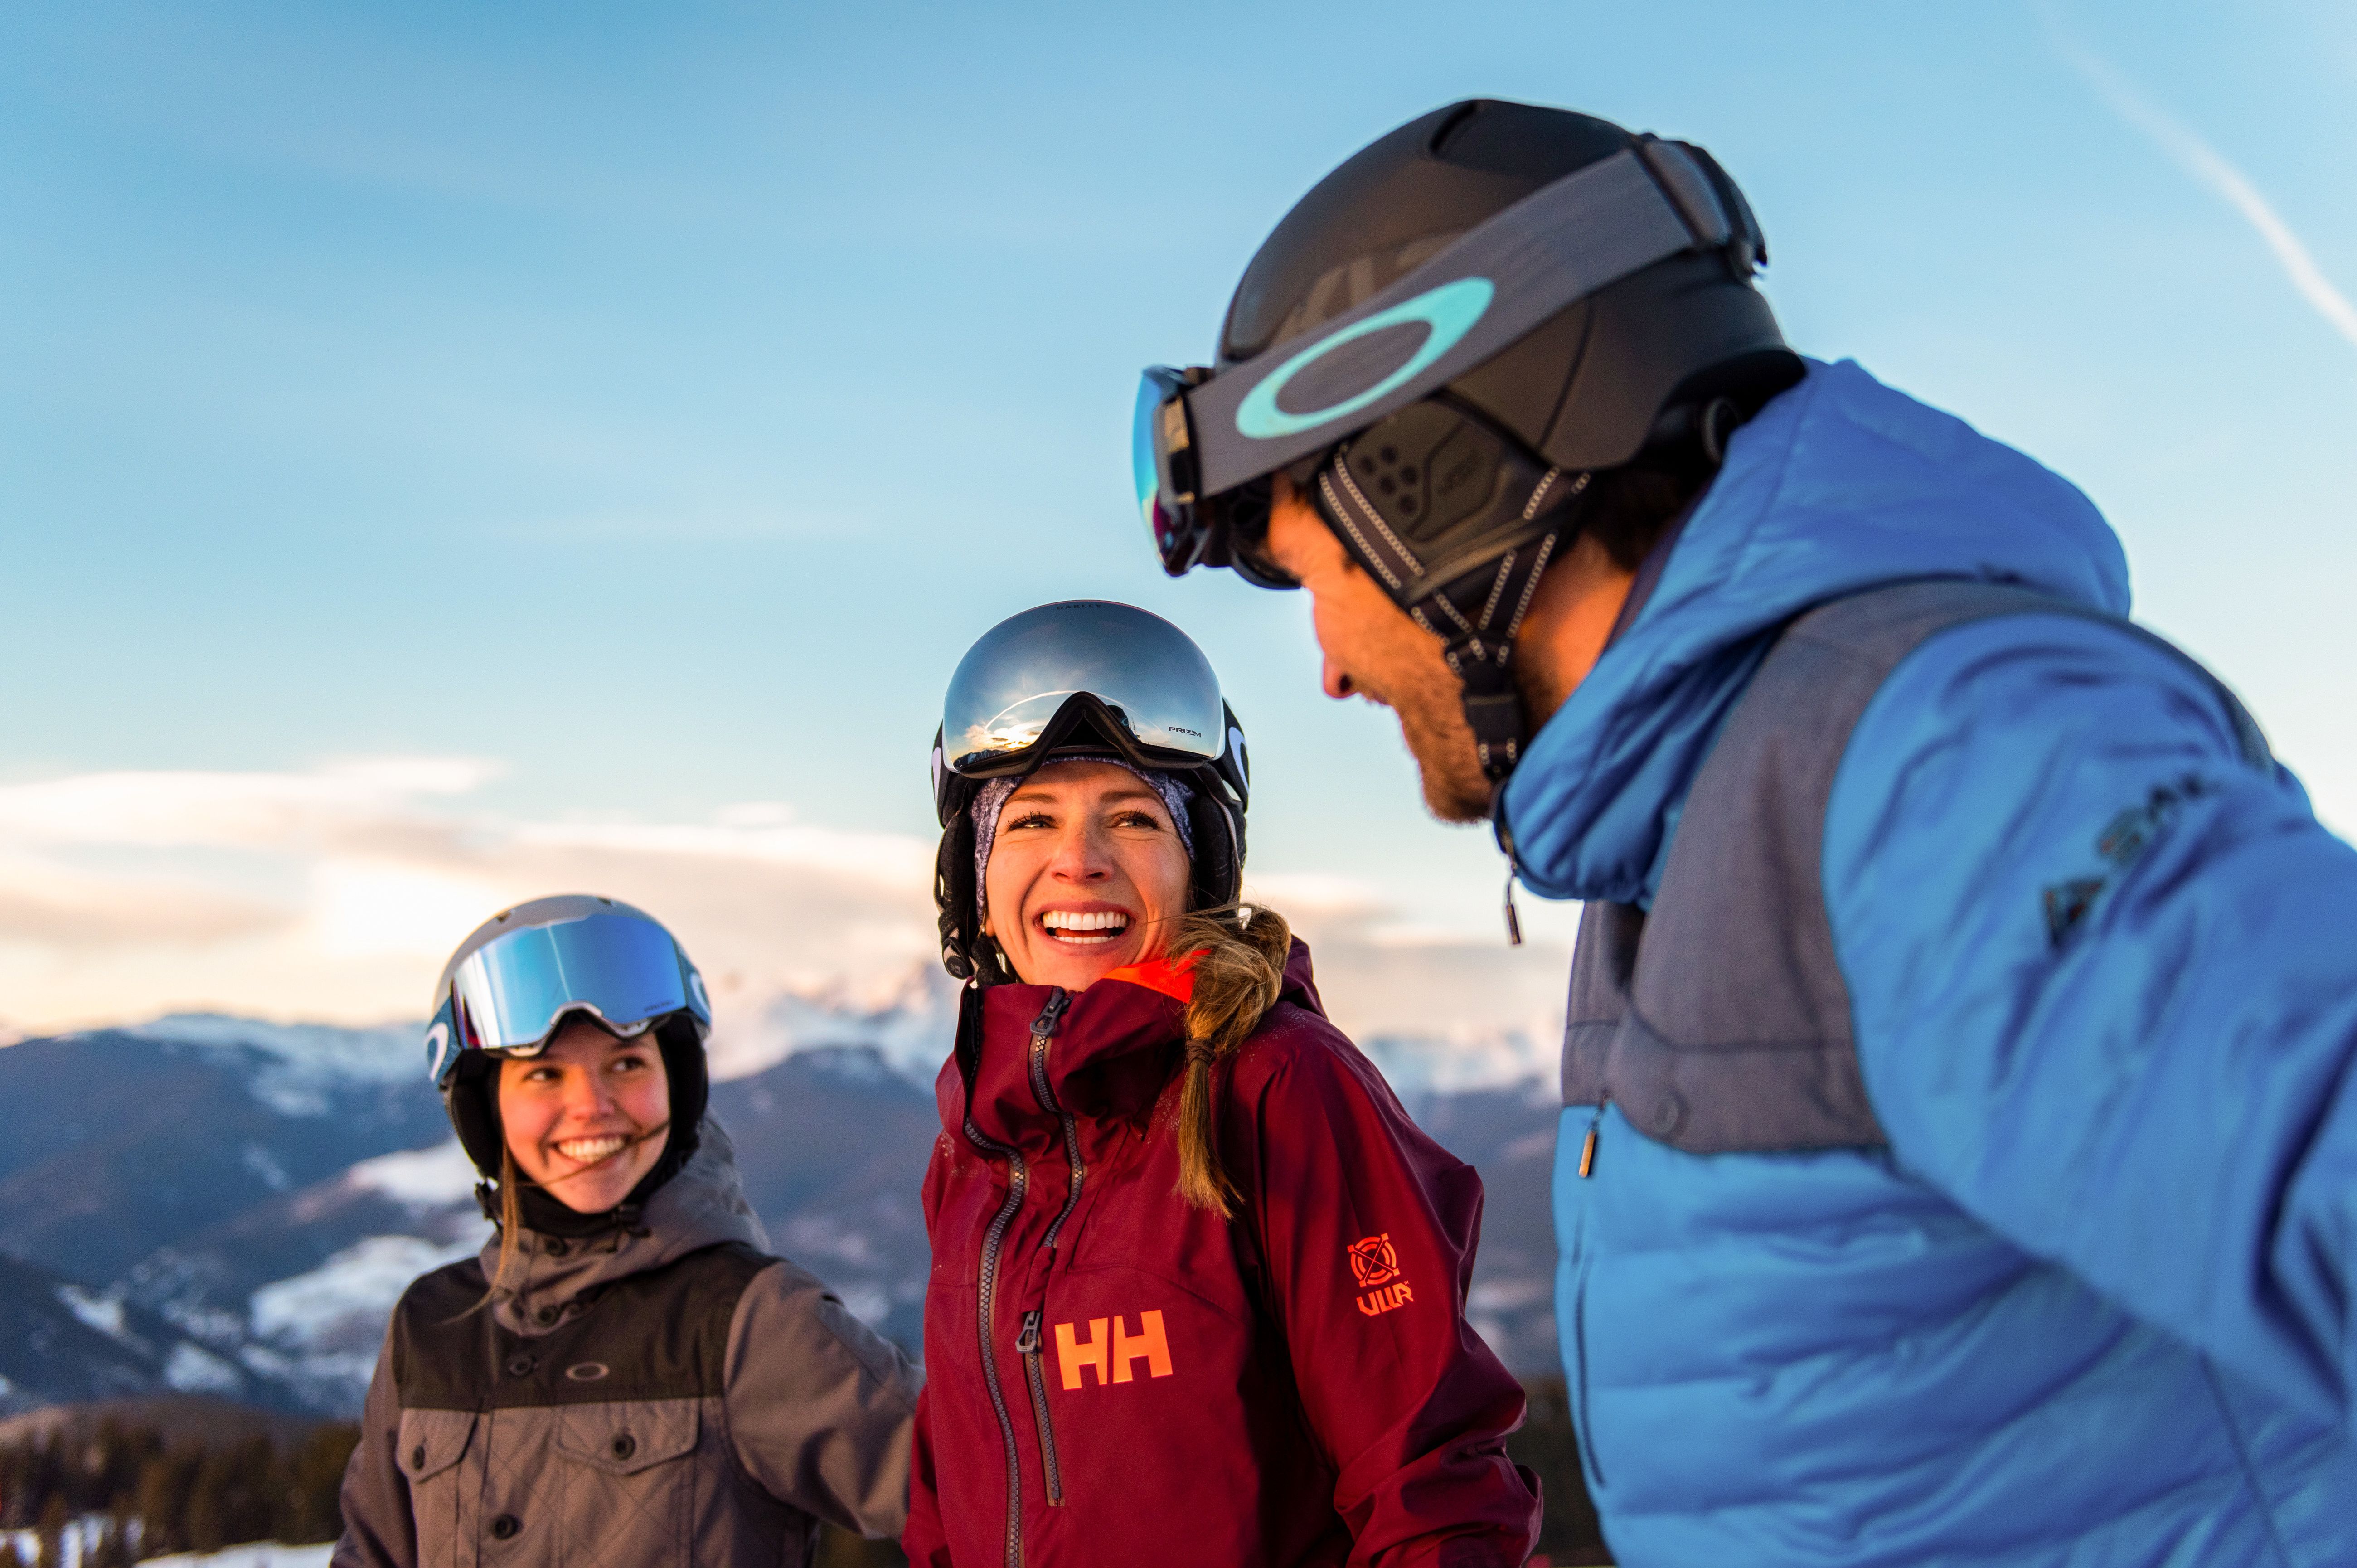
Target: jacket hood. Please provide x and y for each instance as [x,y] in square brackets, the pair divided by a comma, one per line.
[704,1205]
[1839,484]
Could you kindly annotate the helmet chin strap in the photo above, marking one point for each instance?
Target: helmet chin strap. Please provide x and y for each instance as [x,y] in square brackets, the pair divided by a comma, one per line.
[1475,612]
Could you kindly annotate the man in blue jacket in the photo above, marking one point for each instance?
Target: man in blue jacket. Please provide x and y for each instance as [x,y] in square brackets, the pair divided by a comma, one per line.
[1959,1160]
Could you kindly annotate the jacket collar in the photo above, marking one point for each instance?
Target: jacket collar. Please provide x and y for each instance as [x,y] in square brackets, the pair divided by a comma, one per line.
[1109,1051]
[703,1205]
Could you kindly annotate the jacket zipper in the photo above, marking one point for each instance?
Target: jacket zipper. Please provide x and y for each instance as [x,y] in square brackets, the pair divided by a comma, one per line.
[1588,1147]
[1027,1344]
[987,1297]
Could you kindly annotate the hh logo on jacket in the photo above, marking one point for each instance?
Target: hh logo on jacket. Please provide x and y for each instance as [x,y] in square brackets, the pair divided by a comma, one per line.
[1113,1359]
[1372,1262]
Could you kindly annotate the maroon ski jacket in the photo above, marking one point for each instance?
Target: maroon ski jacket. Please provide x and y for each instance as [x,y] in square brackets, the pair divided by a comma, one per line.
[1116,1376]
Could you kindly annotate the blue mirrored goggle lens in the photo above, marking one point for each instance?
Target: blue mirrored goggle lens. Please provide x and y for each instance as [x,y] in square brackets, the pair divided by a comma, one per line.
[626,970]
[1143,469]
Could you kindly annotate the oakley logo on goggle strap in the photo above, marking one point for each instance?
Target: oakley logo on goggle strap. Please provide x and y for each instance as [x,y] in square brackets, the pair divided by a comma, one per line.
[1446,313]
[437,1046]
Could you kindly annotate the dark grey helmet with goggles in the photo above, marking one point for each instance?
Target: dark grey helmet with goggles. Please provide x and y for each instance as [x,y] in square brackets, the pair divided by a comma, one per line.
[1084,678]
[1444,344]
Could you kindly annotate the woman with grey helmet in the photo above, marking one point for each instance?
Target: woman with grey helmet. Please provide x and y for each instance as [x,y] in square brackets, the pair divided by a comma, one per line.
[1198,1284]
[624,1377]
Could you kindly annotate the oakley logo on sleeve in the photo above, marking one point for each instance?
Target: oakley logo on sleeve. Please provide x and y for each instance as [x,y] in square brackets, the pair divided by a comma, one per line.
[1373,1263]
[1112,1351]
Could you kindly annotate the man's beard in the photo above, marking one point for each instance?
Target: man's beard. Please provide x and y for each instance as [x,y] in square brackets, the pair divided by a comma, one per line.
[1432,725]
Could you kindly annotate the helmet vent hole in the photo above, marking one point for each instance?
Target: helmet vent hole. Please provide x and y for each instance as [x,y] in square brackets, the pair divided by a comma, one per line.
[1391,454]
[1407,475]
[1386,485]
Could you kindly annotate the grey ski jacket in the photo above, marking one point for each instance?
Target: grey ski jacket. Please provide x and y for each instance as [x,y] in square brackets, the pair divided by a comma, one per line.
[667,1395]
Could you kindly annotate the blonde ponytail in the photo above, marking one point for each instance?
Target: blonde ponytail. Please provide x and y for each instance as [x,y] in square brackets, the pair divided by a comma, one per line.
[1240,953]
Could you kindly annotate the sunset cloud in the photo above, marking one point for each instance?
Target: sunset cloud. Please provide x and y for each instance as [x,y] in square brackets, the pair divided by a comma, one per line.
[333,895]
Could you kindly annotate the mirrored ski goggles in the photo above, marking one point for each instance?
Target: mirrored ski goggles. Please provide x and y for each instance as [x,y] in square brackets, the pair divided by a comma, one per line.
[1203,444]
[1080,673]
[509,995]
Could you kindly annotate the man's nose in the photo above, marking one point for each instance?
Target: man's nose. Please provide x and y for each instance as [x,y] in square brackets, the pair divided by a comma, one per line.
[1338,680]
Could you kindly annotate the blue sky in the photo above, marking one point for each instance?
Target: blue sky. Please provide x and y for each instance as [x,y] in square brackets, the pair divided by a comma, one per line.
[647,404]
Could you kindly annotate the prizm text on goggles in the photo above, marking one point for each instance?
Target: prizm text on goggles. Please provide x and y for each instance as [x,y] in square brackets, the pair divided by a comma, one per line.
[1200,437]
[509,994]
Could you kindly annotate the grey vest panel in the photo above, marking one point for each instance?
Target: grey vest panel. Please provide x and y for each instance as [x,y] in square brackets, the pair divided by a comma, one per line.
[1721,1021]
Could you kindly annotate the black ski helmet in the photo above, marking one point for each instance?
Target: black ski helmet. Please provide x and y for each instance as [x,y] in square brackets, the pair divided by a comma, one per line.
[1457,503]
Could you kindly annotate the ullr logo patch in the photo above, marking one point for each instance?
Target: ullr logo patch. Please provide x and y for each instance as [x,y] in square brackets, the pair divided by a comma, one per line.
[1374,1263]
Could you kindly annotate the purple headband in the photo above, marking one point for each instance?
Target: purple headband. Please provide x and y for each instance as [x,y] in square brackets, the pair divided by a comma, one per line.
[991,800]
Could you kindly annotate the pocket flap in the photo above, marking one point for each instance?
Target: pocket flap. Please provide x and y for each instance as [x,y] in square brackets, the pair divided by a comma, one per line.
[625,1436]
[432,1441]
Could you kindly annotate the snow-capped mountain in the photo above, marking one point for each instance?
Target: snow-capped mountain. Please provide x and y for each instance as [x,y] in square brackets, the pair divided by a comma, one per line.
[245,1201]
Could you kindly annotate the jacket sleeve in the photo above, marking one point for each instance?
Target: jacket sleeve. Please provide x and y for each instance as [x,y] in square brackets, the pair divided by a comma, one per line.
[2103,979]
[1367,1230]
[380,1530]
[820,1406]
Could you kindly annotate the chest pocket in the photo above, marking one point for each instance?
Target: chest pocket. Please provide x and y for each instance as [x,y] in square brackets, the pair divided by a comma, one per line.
[430,1443]
[624,1438]
[628,1481]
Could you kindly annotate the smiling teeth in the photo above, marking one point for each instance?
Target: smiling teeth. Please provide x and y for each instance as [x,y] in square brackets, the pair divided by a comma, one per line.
[1073,920]
[588,1151]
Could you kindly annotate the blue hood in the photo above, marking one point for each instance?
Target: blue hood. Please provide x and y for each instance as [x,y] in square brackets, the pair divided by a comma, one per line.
[1838,485]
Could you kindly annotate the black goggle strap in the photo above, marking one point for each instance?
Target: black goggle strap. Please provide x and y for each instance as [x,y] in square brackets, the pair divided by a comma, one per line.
[1475,614]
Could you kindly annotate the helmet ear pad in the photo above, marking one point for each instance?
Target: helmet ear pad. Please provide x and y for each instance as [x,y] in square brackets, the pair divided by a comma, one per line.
[471,1095]
[1218,830]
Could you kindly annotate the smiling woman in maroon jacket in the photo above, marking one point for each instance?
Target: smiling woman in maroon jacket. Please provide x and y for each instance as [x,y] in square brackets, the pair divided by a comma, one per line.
[1199,1284]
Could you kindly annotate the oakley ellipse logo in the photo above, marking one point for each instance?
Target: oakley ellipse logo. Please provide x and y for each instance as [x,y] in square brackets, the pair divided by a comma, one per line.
[437,1046]
[1450,311]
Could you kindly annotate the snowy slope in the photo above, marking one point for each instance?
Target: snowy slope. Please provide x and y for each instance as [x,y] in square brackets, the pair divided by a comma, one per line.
[260,1194]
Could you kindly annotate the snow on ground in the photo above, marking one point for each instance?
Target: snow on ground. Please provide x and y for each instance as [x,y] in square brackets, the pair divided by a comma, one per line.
[80,1538]
[420,1178]
[260,1554]
[362,1281]
[308,1059]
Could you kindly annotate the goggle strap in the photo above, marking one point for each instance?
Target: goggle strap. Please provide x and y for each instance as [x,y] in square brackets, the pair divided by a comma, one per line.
[1554,248]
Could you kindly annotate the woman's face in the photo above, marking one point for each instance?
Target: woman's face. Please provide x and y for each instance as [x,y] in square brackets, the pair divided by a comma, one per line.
[588,1116]
[1086,875]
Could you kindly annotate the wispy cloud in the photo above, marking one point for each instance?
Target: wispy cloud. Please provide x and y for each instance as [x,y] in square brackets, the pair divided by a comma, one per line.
[2210,168]
[333,895]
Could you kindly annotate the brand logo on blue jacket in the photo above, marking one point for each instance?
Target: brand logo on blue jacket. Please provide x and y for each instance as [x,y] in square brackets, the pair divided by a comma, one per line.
[1450,311]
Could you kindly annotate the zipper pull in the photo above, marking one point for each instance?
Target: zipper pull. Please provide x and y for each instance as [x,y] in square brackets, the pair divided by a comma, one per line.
[1051,1014]
[1587,1145]
[1027,1342]
[1506,843]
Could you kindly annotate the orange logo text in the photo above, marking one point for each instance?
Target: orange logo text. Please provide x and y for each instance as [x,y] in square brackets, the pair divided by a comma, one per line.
[1113,1357]
[1375,1302]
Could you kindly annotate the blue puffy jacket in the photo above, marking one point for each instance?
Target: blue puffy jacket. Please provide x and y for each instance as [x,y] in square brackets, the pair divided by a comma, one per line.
[2093,1304]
